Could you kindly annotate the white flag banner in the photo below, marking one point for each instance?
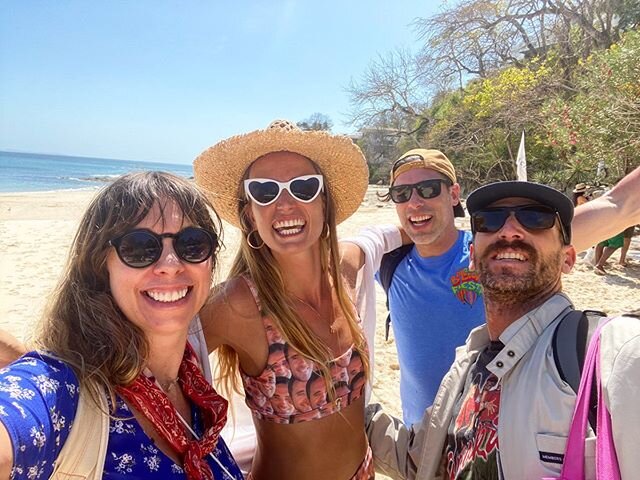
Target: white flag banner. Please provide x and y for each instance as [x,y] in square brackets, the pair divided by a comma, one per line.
[521,161]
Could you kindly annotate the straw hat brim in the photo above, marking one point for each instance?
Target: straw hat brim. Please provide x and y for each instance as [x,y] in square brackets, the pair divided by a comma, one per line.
[220,168]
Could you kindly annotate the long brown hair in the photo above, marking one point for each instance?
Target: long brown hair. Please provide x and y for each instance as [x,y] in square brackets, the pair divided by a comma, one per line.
[82,324]
[262,267]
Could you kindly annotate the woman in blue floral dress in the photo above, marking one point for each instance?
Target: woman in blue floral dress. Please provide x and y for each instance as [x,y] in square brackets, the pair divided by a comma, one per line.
[117,388]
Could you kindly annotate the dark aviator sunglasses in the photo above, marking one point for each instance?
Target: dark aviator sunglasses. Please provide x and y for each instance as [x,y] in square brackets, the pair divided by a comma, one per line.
[531,217]
[141,248]
[426,189]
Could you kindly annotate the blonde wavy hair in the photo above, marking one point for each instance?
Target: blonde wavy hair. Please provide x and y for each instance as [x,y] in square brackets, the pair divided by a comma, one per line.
[83,324]
[262,267]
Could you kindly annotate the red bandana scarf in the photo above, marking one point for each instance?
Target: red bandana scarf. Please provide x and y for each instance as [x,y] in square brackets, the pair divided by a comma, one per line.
[153,403]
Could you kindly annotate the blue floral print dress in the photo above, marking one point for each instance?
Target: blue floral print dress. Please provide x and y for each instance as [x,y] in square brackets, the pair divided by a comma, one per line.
[38,402]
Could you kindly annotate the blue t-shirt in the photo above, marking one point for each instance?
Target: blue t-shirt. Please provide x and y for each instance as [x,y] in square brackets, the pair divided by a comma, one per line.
[434,303]
[38,402]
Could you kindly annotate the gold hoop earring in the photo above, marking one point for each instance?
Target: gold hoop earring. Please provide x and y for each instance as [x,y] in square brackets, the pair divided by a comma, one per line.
[325,231]
[248,239]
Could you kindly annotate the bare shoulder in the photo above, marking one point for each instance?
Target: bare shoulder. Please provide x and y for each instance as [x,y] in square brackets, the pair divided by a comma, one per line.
[230,310]
[351,261]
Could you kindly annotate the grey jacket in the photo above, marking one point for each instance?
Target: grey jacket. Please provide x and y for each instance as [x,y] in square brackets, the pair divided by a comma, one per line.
[536,406]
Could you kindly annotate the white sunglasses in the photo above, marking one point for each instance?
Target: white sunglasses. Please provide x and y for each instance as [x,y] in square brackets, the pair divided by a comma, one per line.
[265,191]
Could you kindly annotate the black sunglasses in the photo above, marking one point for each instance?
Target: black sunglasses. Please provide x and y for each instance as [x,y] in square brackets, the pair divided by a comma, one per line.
[265,191]
[531,217]
[426,189]
[140,248]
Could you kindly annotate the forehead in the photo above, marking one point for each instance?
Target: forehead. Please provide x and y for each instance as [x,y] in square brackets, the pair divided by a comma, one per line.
[163,213]
[416,175]
[281,166]
[513,202]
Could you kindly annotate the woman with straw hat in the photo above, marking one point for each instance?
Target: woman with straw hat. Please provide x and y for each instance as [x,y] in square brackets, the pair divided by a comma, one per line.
[285,318]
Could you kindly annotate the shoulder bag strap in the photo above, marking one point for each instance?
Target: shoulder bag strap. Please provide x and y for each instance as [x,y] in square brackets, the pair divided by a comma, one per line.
[85,450]
[573,466]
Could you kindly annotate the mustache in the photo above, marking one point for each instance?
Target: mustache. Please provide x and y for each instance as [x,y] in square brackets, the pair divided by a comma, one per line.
[515,244]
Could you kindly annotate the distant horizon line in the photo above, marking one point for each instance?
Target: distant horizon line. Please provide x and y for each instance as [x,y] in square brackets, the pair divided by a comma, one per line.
[42,154]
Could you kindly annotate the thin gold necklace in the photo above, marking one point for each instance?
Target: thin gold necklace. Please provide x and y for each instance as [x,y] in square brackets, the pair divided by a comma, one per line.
[168,385]
[332,325]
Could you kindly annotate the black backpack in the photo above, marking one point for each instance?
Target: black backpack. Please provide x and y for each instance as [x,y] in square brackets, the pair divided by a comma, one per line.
[570,339]
[388,265]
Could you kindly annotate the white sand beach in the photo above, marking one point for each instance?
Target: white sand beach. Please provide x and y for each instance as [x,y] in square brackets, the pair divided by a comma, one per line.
[36,230]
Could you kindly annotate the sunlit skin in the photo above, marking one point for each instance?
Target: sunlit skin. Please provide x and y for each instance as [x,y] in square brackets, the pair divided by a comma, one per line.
[131,287]
[428,222]
[513,286]
[329,447]
[309,217]
[165,323]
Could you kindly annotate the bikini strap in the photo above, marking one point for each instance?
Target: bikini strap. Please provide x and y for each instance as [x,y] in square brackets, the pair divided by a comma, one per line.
[253,289]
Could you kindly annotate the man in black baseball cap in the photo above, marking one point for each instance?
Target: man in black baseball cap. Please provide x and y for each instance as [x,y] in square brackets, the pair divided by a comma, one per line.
[504,409]
[521,244]
[536,194]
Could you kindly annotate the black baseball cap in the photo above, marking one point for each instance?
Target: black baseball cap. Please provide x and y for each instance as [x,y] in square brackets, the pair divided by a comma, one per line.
[486,195]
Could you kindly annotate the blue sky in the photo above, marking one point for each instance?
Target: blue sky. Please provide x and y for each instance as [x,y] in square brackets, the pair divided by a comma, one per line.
[163,80]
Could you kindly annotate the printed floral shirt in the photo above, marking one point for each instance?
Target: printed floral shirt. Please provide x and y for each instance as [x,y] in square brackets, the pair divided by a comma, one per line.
[38,402]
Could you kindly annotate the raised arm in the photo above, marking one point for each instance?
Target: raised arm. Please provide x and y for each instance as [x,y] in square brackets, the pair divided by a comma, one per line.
[609,214]
[10,349]
[6,453]
[369,246]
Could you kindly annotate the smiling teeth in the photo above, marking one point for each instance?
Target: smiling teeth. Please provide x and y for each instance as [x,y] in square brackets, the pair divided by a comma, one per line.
[167,297]
[420,218]
[289,223]
[510,256]
[289,227]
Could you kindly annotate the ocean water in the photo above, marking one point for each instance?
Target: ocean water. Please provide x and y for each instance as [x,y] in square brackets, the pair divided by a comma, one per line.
[31,172]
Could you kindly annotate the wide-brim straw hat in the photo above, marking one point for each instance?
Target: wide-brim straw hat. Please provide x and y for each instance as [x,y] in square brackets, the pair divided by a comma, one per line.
[219,169]
[581,188]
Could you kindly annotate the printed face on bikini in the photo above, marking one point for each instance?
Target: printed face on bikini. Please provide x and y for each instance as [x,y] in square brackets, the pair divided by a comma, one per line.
[278,363]
[281,401]
[299,396]
[317,392]
[301,368]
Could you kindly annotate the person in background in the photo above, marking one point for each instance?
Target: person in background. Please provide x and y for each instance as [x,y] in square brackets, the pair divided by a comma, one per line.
[627,236]
[580,194]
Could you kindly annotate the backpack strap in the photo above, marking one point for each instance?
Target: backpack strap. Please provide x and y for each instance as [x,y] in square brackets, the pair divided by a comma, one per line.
[84,453]
[570,340]
[388,265]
